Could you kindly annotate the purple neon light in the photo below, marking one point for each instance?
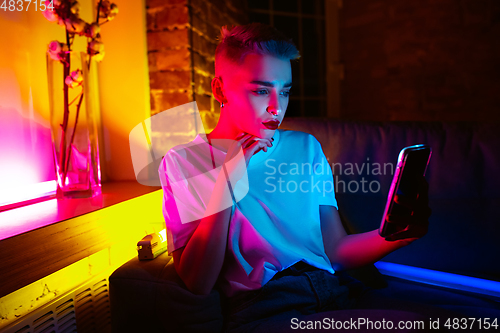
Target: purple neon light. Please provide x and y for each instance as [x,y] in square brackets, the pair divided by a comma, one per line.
[449,280]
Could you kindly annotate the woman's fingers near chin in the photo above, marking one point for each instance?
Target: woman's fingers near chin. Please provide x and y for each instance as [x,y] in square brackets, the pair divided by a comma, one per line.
[248,143]
[256,140]
[241,135]
[257,150]
[253,146]
[248,139]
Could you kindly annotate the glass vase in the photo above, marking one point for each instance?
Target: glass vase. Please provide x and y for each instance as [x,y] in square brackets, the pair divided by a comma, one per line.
[74,115]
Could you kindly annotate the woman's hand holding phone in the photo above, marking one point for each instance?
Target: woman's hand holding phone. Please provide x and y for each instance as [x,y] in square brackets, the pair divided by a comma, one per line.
[418,222]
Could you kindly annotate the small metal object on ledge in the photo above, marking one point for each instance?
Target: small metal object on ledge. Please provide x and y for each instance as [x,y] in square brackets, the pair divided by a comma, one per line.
[151,246]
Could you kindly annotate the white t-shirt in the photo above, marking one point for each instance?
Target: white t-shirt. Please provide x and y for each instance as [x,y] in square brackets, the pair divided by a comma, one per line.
[274,225]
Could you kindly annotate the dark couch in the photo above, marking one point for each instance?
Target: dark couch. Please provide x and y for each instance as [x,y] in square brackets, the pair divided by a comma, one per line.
[463,235]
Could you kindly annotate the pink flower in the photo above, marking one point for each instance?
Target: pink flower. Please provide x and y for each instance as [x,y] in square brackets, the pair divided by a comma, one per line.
[99,56]
[55,47]
[96,49]
[74,79]
[57,50]
[113,11]
[60,21]
[92,30]
[75,7]
[50,15]
[96,46]
[75,24]
[108,10]
[104,10]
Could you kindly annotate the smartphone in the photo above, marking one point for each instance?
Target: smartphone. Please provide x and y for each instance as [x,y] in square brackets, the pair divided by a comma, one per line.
[412,164]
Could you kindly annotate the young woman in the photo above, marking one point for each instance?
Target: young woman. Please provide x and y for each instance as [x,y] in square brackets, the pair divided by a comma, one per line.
[233,223]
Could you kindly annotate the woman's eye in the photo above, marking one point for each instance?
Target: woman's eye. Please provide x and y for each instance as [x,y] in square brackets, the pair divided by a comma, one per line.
[265,92]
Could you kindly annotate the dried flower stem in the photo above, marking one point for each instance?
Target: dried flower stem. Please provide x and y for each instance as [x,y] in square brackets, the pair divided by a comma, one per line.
[64,125]
[98,11]
[66,164]
[73,101]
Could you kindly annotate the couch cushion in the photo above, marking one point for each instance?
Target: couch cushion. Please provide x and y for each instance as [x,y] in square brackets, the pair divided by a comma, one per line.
[149,296]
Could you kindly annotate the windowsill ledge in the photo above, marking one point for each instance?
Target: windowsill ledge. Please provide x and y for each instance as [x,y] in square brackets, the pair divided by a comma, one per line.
[70,230]
[30,217]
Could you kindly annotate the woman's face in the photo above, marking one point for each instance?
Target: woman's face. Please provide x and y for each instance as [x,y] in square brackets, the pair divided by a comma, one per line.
[257,92]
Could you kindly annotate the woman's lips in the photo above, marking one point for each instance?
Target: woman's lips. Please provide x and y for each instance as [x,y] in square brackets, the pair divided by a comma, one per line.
[271,124]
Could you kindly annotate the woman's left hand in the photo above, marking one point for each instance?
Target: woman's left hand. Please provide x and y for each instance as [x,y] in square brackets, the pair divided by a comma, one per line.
[418,222]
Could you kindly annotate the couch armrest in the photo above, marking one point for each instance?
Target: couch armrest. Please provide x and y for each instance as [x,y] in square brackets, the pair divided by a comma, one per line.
[150,296]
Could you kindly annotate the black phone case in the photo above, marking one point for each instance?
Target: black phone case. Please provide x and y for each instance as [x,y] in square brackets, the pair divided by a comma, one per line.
[412,165]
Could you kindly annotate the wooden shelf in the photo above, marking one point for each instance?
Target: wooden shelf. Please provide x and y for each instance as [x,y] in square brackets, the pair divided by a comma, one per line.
[24,219]
[47,236]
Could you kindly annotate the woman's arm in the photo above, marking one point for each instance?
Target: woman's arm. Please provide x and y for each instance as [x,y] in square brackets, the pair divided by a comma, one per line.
[352,251]
[200,261]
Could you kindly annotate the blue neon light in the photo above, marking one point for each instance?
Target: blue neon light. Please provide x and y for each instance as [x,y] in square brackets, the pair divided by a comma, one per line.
[449,280]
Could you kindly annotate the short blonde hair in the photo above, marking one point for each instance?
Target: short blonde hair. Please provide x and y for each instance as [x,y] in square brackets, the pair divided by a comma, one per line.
[238,41]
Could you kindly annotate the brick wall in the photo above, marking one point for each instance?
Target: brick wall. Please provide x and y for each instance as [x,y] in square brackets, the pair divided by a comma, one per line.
[182,37]
[420,60]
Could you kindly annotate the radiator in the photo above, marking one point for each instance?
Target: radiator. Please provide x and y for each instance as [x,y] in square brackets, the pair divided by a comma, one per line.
[85,309]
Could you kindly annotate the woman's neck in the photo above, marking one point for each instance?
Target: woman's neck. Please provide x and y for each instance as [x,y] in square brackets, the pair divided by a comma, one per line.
[220,140]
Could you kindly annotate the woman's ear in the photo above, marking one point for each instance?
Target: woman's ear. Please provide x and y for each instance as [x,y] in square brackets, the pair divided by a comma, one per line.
[218,89]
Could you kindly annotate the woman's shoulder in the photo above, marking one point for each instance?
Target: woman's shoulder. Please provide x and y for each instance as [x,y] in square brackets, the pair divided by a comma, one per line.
[295,137]
[180,155]
[182,149]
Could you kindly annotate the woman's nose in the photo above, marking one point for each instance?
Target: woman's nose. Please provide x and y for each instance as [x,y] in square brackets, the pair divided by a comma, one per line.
[273,110]
[274,107]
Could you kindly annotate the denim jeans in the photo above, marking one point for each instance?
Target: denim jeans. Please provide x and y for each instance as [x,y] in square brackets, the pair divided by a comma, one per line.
[298,290]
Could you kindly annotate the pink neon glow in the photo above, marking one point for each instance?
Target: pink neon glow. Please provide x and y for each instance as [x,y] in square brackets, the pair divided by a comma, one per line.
[20,193]
[23,219]
[17,221]
[25,143]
